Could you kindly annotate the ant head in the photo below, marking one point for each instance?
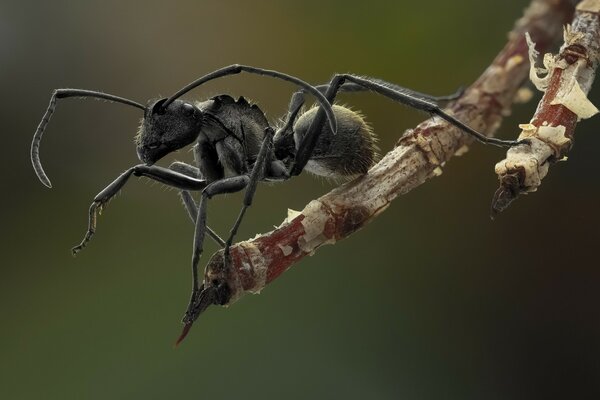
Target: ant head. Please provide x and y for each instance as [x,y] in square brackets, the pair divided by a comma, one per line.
[166,129]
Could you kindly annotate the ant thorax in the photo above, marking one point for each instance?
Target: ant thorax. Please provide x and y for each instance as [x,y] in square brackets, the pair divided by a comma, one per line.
[230,137]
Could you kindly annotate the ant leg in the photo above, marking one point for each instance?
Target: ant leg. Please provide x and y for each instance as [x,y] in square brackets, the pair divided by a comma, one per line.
[257,173]
[188,200]
[297,100]
[355,87]
[227,185]
[309,140]
[160,174]
[185,195]
[396,93]
[413,100]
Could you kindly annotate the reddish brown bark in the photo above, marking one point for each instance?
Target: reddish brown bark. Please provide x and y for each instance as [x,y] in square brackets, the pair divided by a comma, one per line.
[418,156]
[552,128]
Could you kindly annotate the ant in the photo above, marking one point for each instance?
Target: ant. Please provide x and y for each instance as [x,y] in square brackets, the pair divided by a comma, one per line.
[235,148]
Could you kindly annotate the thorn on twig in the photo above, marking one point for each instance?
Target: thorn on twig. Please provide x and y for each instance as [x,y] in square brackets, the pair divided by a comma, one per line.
[184,333]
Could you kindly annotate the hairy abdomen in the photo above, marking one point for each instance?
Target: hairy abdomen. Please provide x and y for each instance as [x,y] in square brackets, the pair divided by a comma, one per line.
[351,151]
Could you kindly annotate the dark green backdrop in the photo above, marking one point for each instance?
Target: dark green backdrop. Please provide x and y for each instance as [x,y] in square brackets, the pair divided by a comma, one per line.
[431,301]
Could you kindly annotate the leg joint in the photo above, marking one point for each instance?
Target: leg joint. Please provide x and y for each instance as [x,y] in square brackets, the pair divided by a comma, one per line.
[207,192]
[341,78]
[139,169]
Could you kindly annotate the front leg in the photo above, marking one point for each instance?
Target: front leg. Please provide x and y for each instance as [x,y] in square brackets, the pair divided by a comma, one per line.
[227,185]
[160,174]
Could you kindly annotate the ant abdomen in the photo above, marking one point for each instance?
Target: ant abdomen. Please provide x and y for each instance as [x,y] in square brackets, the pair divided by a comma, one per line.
[351,151]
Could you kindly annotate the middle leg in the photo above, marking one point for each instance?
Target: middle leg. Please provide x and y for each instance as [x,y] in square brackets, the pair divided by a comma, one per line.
[257,173]
[188,200]
[226,185]
[199,299]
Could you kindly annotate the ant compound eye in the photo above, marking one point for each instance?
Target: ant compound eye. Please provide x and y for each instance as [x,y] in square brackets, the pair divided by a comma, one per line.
[188,109]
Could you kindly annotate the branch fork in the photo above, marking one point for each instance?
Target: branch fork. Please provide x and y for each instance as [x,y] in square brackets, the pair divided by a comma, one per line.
[567,79]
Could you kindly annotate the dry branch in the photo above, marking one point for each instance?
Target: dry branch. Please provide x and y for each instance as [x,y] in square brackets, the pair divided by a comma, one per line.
[568,78]
[419,155]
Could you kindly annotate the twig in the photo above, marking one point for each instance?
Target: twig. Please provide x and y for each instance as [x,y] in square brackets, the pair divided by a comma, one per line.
[418,156]
[568,79]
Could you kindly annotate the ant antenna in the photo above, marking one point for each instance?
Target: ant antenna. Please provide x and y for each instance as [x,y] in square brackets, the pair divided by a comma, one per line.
[236,69]
[61,94]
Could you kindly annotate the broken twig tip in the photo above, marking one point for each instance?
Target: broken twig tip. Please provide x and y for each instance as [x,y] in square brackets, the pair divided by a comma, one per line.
[503,196]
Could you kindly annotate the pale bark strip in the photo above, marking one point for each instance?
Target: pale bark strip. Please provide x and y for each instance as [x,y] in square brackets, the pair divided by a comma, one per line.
[568,79]
[418,156]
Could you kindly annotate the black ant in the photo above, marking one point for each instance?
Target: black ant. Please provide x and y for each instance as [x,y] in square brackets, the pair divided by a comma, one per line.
[236,148]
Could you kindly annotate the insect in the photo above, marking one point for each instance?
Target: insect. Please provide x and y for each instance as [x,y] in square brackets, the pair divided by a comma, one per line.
[235,148]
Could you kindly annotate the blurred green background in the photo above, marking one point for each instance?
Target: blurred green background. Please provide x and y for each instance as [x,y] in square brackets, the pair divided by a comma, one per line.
[431,301]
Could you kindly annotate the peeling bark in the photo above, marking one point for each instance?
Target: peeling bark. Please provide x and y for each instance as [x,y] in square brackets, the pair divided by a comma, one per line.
[418,156]
[568,78]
